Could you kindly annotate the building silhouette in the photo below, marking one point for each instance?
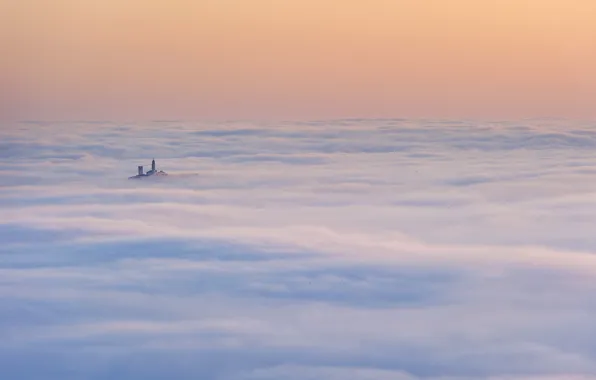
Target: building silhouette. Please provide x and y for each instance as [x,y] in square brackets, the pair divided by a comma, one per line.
[150,173]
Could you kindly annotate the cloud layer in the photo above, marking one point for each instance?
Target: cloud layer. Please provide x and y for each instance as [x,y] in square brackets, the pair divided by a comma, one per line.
[361,249]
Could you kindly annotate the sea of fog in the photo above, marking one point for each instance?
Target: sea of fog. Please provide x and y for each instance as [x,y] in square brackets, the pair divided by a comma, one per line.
[348,249]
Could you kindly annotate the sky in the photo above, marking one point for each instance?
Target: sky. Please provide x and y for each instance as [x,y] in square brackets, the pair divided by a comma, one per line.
[379,249]
[296,59]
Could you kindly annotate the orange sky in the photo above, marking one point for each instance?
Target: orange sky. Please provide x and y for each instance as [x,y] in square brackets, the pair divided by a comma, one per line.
[297,59]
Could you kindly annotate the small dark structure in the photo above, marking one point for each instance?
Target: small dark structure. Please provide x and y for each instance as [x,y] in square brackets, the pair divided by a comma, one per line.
[150,173]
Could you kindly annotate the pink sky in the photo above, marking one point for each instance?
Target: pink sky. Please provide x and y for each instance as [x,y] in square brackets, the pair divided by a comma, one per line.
[297,59]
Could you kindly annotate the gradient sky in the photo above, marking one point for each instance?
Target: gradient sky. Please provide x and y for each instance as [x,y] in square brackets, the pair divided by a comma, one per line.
[297,59]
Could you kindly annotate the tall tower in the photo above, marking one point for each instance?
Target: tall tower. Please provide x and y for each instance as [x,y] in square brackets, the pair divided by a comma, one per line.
[153,165]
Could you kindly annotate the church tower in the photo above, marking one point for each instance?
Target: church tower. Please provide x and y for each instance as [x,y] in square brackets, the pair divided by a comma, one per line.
[153,165]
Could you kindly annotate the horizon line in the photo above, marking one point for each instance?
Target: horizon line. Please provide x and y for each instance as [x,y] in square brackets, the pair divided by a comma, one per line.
[314,120]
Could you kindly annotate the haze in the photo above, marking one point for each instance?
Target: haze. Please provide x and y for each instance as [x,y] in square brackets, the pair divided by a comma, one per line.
[298,59]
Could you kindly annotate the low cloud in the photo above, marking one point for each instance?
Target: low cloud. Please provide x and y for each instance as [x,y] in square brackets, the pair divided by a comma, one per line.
[361,249]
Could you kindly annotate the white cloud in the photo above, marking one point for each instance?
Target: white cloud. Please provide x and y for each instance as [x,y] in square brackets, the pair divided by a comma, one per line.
[347,249]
